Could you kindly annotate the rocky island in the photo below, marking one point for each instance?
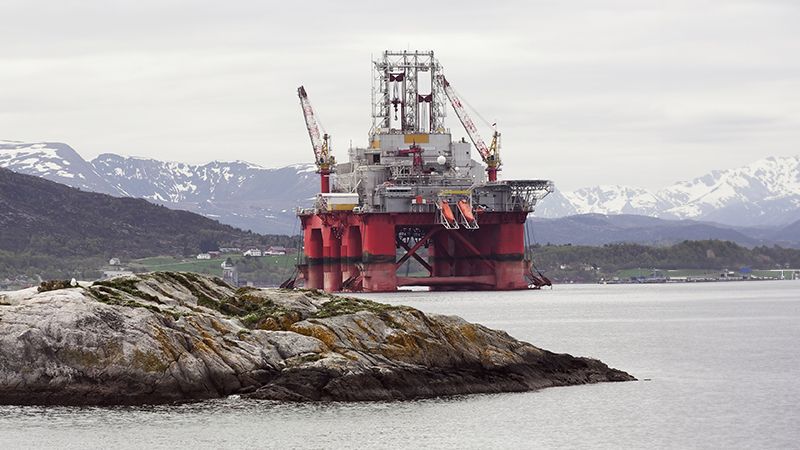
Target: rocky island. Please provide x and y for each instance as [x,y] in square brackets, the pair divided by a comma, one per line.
[168,337]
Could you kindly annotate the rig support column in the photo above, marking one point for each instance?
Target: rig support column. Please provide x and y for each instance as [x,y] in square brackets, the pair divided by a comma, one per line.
[461,255]
[509,255]
[483,242]
[442,254]
[312,238]
[331,254]
[351,251]
[379,253]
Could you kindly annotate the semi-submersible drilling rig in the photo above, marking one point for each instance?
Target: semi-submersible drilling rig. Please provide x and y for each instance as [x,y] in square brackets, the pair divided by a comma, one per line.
[412,187]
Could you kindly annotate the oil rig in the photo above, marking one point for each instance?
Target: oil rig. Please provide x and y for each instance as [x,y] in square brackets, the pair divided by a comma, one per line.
[414,193]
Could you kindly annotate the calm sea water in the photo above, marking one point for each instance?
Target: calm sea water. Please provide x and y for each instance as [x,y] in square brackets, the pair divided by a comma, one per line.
[722,360]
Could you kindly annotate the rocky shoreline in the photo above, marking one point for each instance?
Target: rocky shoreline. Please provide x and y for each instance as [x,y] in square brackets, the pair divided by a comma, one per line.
[169,337]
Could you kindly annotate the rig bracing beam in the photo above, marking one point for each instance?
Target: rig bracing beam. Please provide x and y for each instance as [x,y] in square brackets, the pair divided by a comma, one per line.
[412,251]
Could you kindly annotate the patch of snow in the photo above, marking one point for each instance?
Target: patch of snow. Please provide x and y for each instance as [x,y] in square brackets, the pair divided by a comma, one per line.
[302,168]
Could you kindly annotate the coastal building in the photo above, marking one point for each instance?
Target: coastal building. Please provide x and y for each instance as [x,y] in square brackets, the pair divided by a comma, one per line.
[253,252]
[229,273]
[203,256]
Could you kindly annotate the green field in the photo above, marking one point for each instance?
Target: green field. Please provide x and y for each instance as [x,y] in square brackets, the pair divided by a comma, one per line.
[678,273]
[270,269]
[630,273]
[168,263]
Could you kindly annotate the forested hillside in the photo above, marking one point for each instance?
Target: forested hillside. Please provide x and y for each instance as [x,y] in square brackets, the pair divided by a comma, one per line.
[52,228]
[585,263]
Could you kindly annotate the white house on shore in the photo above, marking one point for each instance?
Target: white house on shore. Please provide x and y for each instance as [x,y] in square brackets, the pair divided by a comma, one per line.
[275,251]
[252,252]
[203,256]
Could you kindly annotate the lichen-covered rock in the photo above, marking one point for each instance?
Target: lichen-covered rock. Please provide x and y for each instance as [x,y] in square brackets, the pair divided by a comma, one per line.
[165,336]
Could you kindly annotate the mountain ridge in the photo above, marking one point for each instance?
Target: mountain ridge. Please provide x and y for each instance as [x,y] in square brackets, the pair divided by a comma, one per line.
[600,229]
[763,193]
[237,193]
[42,217]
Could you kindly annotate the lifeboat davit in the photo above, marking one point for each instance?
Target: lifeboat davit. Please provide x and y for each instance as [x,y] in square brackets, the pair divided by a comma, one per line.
[466,210]
[448,213]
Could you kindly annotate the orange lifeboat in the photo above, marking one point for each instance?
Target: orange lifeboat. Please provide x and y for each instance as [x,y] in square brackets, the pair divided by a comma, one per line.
[466,210]
[448,213]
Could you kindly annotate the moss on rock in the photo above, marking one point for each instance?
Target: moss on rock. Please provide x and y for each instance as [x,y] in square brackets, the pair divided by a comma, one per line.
[127,285]
[339,306]
[107,295]
[194,284]
[148,361]
[52,285]
[263,313]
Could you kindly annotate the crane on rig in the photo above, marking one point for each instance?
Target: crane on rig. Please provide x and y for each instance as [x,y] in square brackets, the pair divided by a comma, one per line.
[491,153]
[322,151]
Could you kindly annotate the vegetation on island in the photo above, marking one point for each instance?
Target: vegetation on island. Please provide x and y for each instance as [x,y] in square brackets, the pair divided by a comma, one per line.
[591,264]
[270,270]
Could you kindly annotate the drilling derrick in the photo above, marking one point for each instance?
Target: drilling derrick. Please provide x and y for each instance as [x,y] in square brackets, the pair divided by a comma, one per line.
[412,193]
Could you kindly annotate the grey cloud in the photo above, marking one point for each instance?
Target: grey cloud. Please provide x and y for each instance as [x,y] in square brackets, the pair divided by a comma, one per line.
[586,92]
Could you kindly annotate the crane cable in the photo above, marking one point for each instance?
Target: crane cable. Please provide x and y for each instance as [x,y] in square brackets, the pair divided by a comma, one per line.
[320,125]
[474,111]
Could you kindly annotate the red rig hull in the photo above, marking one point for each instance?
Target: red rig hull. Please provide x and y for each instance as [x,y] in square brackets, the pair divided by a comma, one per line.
[359,251]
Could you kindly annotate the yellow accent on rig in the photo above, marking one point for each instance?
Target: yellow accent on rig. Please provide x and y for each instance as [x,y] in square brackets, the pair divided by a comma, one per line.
[416,138]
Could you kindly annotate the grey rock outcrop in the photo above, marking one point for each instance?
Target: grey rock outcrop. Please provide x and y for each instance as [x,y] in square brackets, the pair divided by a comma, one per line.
[165,337]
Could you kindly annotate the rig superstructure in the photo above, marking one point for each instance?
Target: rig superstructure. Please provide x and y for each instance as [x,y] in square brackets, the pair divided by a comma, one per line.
[411,188]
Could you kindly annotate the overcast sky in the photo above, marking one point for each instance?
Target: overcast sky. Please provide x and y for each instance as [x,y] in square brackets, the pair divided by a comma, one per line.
[633,92]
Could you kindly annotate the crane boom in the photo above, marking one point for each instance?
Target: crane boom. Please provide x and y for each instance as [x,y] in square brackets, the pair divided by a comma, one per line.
[322,155]
[489,154]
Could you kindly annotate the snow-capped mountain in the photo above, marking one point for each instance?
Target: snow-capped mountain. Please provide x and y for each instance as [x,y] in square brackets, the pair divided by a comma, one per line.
[216,181]
[764,193]
[612,199]
[54,161]
[237,193]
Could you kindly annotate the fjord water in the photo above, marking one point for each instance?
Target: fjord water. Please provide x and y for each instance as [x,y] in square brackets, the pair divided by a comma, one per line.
[719,365]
